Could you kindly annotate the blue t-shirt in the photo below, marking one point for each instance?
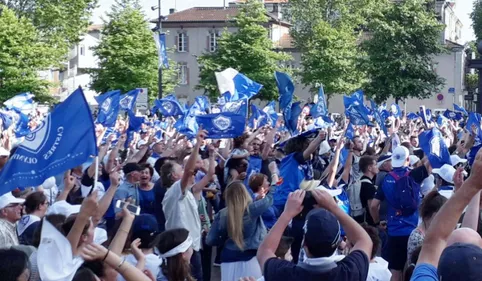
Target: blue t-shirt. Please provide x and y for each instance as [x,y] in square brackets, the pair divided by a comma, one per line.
[425,272]
[146,203]
[398,225]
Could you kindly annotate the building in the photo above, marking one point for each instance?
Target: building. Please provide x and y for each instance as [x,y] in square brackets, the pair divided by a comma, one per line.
[194,31]
[80,60]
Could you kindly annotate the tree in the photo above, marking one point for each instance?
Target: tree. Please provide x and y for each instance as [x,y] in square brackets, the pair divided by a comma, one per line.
[249,50]
[127,53]
[476,17]
[327,34]
[405,36]
[22,55]
[60,23]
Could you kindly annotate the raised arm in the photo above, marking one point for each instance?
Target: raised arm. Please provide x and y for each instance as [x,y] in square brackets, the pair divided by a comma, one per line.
[87,210]
[314,145]
[191,162]
[198,187]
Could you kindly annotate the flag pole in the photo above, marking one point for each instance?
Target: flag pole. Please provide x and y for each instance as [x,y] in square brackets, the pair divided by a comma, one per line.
[96,174]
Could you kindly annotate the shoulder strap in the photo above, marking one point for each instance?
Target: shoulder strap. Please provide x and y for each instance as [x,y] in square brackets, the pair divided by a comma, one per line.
[395,176]
[366,181]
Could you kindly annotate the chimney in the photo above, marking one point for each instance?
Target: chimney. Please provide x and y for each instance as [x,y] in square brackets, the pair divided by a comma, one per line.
[172,11]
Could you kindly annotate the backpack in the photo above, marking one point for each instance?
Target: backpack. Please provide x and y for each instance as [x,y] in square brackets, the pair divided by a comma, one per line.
[353,192]
[406,194]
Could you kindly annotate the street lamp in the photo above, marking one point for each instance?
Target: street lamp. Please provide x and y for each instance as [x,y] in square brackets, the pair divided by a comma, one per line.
[159,30]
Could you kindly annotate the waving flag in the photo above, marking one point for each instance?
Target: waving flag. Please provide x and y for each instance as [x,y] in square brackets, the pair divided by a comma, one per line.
[426,116]
[187,124]
[396,111]
[358,95]
[22,102]
[286,88]
[203,103]
[7,119]
[350,132]
[442,121]
[135,125]
[457,116]
[64,140]
[108,108]
[433,145]
[412,116]
[128,100]
[236,84]
[356,111]
[222,125]
[460,109]
[160,40]
[239,107]
[21,128]
[319,109]
[270,110]
[168,106]
[291,121]
[378,117]
[473,122]
[258,117]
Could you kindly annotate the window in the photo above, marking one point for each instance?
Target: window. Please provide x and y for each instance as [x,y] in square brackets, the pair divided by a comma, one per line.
[82,50]
[182,42]
[183,74]
[213,41]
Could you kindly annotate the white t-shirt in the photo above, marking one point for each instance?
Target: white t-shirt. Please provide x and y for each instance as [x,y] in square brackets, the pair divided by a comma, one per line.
[181,211]
[378,270]
[153,264]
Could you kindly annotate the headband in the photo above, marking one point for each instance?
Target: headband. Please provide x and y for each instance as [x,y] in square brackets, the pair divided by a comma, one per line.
[181,248]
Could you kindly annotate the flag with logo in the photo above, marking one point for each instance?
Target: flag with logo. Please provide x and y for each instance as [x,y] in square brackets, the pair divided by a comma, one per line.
[320,108]
[236,84]
[222,125]
[168,106]
[395,110]
[108,108]
[160,40]
[412,116]
[271,111]
[239,107]
[356,111]
[452,115]
[433,145]
[128,100]
[64,140]
[187,124]
[21,128]
[460,109]
[22,102]
[291,121]
[258,117]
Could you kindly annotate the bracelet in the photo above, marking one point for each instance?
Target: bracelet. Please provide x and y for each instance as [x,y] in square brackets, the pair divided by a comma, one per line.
[121,263]
[123,230]
[105,257]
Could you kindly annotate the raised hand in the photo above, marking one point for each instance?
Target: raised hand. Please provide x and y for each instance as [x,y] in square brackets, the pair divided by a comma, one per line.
[294,204]
[324,199]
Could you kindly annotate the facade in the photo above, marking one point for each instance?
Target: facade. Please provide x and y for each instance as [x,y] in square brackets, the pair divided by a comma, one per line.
[194,31]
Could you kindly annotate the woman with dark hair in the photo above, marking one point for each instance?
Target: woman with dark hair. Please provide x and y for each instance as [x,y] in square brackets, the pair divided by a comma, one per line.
[146,190]
[35,205]
[14,265]
[175,248]
[431,204]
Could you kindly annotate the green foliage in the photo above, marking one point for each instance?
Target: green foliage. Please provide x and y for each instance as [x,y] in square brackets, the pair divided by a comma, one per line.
[249,50]
[22,55]
[476,17]
[404,38]
[325,31]
[472,81]
[127,54]
[60,23]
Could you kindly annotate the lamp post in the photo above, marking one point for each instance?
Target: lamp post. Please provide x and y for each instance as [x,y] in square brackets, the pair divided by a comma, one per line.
[477,64]
[159,30]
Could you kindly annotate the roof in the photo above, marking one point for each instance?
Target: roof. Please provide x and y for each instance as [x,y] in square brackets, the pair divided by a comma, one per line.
[95,27]
[210,14]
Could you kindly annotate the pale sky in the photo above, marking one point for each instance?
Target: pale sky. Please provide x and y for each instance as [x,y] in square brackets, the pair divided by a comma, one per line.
[463,9]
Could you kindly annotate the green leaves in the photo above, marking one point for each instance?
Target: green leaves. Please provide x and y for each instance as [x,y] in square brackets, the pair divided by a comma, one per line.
[476,17]
[249,50]
[127,54]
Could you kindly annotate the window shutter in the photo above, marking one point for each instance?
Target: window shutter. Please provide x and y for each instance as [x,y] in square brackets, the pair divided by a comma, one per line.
[186,38]
[187,75]
[177,43]
[208,43]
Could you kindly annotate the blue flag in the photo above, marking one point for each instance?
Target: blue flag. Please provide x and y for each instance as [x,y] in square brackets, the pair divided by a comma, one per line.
[473,122]
[222,125]
[286,88]
[258,117]
[452,115]
[128,100]
[239,107]
[442,120]
[412,116]
[319,109]
[254,167]
[433,145]
[64,140]
[135,125]
[460,109]
[7,119]
[291,121]
[108,108]
[358,95]
[271,111]
[237,85]
[22,102]
[203,103]
[168,106]
[396,111]
[356,111]
[378,117]
[187,124]
[21,128]
[350,132]
[425,115]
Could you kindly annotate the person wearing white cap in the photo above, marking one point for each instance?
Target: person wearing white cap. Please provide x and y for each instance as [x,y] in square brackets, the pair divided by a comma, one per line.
[456,161]
[10,213]
[4,155]
[401,219]
[445,180]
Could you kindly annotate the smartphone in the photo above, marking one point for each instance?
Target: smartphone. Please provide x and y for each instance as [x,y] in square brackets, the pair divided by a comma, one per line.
[136,210]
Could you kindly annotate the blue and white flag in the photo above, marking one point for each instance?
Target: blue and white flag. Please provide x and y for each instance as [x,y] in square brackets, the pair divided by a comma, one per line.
[187,124]
[239,107]
[412,116]
[426,117]
[356,111]
[473,122]
[160,40]
[291,121]
[319,109]
[395,110]
[286,88]
[128,100]
[135,125]
[452,115]
[7,119]
[258,117]
[442,121]
[271,111]
[358,95]
[350,132]
[21,128]
[108,108]
[22,102]
[64,140]
[460,109]
[203,103]
[379,118]
[236,84]
[168,106]
[222,125]
[433,145]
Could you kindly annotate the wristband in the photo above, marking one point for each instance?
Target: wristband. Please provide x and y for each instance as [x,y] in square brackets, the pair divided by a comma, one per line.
[121,263]
[105,257]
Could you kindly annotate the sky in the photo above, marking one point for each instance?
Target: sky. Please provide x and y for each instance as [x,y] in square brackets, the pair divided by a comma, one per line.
[463,10]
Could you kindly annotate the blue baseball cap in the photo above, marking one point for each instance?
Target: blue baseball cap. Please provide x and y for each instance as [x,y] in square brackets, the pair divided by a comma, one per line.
[460,260]
[146,228]
[322,230]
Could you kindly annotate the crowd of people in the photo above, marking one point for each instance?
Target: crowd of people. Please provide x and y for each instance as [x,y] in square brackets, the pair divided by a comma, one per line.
[320,205]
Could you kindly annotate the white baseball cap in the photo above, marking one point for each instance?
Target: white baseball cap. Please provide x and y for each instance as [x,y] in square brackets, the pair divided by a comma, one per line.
[8,198]
[324,147]
[446,172]
[4,152]
[413,159]
[399,156]
[455,159]
[315,184]
[63,208]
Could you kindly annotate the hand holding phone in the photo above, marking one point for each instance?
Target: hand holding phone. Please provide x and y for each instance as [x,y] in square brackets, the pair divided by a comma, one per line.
[136,210]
